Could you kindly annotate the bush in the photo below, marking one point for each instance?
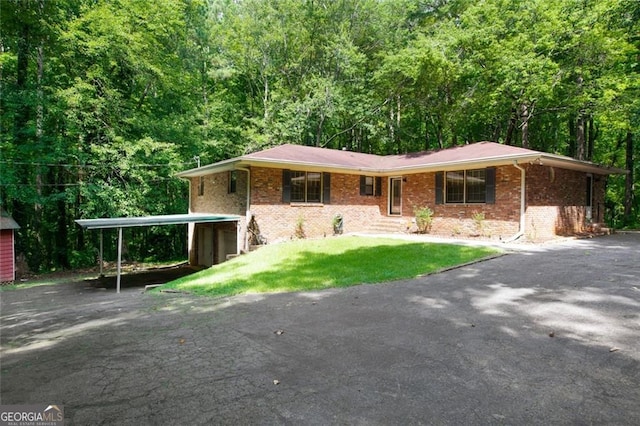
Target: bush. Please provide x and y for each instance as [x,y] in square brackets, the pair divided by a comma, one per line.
[82,259]
[424,219]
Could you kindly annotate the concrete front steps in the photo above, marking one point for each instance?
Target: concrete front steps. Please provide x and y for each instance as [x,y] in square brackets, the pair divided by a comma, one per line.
[390,225]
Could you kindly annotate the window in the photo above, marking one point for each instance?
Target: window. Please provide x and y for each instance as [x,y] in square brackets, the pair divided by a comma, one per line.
[201,186]
[476,186]
[233,179]
[466,186]
[455,187]
[370,185]
[305,187]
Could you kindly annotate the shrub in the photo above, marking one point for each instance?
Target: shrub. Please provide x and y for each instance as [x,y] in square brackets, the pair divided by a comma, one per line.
[424,219]
[478,218]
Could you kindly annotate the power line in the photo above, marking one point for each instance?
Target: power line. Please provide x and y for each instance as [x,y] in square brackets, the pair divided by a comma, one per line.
[83,183]
[26,163]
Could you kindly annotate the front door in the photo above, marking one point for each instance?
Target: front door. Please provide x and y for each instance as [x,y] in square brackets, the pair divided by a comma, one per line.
[395,196]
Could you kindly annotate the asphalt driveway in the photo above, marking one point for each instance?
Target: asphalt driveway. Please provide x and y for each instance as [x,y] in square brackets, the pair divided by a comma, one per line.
[545,335]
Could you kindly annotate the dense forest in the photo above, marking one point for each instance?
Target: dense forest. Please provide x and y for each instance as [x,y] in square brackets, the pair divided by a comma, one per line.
[103,101]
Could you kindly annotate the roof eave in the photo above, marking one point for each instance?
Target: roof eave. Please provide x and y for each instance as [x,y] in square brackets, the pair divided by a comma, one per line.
[583,166]
[221,166]
[307,166]
[532,158]
[467,164]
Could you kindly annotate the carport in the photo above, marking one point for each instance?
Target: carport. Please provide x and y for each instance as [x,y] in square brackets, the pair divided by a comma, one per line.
[129,222]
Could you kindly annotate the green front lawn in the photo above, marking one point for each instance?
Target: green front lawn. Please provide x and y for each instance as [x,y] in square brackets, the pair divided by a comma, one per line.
[303,265]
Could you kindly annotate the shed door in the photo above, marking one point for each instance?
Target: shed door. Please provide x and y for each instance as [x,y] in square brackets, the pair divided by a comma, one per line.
[205,245]
[7,257]
[227,243]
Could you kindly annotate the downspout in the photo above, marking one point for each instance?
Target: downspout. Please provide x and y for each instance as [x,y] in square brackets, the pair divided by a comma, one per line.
[248,210]
[523,176]
[191,229]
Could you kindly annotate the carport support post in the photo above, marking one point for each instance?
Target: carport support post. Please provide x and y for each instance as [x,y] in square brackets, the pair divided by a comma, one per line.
[101,253]
[119,259]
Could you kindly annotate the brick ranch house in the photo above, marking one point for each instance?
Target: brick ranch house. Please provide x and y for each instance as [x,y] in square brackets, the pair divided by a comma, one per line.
[511,192]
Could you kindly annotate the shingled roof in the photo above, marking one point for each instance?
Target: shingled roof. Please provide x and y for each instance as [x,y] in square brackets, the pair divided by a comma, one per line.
[481,154]
[7,222]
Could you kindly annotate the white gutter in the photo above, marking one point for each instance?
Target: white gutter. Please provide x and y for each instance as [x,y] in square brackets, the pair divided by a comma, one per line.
[247,210]
[523,176]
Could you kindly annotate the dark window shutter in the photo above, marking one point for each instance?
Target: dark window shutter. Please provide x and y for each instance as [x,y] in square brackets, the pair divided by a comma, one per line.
[326,188]
[286,186]
[378,186]
[490,185]
[363,185]
[439,187]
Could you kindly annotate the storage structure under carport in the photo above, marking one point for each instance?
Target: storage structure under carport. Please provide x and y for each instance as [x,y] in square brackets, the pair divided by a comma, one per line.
[203,219]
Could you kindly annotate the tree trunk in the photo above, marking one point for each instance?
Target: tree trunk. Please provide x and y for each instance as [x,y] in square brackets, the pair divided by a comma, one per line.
[508,140]
[398,104]
[580,125]
[628,188]
[580,136]
[22,113]
[438,128]
[524,117]
[592,135]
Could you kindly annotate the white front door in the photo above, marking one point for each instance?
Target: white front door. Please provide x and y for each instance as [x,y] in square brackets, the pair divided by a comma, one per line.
[395,196]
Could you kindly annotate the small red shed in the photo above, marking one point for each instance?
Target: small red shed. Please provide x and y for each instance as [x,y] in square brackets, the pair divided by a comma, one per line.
[7,251]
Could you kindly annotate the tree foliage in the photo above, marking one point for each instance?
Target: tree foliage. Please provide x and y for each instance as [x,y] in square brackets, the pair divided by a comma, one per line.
[103,101]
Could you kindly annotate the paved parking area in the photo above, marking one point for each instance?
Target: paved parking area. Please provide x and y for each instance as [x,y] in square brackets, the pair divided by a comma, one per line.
[544,335]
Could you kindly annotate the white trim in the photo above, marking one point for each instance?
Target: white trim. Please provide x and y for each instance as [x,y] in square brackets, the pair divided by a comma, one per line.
[390,198]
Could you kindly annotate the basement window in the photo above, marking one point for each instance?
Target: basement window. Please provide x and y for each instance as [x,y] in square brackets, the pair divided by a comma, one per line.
[233,180]
[201,186]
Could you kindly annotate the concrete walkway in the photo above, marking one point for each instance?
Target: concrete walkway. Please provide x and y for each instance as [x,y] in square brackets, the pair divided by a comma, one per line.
[544,335]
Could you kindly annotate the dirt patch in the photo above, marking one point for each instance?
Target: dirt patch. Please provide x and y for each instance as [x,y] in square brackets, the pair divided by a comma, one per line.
[144,277]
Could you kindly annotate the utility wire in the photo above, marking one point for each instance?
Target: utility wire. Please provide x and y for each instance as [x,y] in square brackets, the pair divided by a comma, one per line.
[26,163]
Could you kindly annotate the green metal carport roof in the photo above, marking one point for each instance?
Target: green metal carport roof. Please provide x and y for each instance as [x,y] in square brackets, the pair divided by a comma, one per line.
[130,222]
[172,219]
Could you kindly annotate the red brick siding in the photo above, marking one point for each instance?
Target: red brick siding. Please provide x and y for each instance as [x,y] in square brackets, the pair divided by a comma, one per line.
[278,220]
[216,198]
[501,219]
[359,212]
[556,201]
[554,204]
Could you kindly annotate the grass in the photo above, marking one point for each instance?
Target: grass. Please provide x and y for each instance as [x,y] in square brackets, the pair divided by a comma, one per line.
[304,265]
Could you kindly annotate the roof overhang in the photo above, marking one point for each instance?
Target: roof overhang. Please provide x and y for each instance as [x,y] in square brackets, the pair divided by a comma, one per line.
[387,166]
[8,223]
[542,159]
[221,166]
[174,219]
